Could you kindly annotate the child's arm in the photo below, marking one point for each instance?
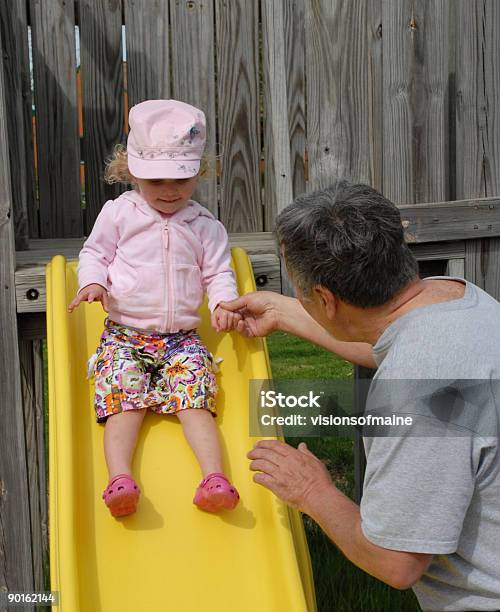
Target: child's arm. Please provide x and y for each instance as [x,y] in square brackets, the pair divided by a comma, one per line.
[96,255]
[217,275]
[216,272]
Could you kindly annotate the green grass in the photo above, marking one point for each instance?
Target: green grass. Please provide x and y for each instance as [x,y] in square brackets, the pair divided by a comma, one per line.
[339,584]
[291,357]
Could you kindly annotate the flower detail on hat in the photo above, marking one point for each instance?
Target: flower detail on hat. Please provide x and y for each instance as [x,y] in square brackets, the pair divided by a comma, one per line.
[193,133]
[152,153]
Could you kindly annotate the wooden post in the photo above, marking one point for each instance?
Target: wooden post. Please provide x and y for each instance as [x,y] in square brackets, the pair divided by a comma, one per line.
[16,558]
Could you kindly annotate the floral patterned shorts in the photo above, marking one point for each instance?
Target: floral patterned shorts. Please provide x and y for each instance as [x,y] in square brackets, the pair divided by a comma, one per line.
[163,372]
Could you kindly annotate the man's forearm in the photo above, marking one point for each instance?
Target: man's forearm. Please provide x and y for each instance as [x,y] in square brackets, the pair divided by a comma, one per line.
[339,517]
[297,321]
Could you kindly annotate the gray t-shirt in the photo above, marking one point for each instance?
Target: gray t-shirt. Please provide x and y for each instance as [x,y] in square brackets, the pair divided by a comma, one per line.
[441,494]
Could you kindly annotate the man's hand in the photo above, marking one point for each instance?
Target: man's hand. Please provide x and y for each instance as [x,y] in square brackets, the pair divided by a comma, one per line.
[260,312]
[91,293]
[293,475]
[224,320]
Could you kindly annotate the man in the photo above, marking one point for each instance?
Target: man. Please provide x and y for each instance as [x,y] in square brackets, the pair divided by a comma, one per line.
[430,512]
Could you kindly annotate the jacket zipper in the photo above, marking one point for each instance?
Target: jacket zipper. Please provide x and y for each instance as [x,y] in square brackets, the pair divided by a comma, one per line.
[166,260]
[170,302]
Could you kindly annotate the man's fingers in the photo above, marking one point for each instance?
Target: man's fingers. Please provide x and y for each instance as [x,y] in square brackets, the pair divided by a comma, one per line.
[265,454]
[264,479]
[277,446]
[303,449]
[263,465]
[237,304]
[241,303]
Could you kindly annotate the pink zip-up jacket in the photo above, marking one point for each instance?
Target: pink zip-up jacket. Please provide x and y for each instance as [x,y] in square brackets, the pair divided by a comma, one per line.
[155,267]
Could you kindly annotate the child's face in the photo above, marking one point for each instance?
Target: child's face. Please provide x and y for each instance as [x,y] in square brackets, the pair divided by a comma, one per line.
[167,195]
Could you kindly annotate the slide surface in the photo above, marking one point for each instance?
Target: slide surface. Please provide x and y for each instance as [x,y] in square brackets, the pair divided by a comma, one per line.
[169,555]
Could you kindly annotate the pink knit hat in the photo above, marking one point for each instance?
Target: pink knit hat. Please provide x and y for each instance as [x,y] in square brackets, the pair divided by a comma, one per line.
[166,139]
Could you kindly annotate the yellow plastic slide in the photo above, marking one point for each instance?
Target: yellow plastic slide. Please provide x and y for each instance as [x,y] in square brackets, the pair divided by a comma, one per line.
[169,556]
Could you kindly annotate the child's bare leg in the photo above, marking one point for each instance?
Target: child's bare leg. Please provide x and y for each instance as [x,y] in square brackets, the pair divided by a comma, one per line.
[203,437]
[120,439]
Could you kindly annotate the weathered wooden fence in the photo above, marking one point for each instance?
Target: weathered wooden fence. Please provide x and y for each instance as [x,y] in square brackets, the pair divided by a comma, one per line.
[401,94]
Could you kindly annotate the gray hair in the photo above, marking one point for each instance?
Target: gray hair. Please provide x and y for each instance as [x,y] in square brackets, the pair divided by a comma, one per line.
[349,239]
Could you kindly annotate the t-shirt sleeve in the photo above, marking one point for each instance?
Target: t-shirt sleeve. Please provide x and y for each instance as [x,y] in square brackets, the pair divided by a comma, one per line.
[417,491]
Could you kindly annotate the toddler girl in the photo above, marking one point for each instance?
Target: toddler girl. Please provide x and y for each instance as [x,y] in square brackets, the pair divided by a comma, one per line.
[151,254]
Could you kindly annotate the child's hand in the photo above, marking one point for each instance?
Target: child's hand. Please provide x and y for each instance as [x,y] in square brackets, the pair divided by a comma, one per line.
[90,293]
[224,320]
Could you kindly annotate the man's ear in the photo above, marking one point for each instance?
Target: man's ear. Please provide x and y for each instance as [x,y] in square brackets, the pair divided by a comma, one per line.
[327,299]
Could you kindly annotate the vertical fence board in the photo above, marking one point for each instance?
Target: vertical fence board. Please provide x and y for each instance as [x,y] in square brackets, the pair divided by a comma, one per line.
[398,43]
[102,80]
[478,126]
[375,94]
[296,91]
[239,116]
[147,36]
[415,67]
[278,190]
[456,267]
[16,566]
[470,119]
[42,554]
[431,133]
[278,183]
[14,25]
[31,362]
[193,74]
[338,111]
[489,261]
[53,30]
[326,136]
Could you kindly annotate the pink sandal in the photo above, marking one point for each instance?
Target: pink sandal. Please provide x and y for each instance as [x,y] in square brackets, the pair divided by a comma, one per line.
[215,493]
[121,495]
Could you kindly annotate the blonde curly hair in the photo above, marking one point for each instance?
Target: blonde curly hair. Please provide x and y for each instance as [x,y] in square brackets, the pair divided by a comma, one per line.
[116,170]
